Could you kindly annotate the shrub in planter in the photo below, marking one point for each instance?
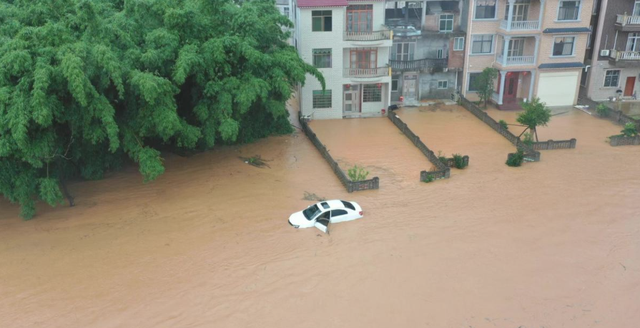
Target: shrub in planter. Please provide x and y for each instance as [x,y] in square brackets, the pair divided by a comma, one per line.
[602,110]
[458,161]
[428,178]
[629,130]
[517,158]
[503,124]
[357,173]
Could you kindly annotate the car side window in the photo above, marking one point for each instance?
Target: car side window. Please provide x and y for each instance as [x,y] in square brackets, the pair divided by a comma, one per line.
[324,215]
[335,213]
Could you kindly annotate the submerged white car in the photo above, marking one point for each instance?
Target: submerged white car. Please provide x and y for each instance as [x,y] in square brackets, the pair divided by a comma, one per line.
[321,214]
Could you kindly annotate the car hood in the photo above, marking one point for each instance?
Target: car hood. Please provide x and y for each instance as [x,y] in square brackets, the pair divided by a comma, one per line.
[298,219]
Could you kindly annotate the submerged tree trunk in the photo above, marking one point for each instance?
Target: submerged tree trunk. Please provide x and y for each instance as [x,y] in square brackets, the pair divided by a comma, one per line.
[67,194]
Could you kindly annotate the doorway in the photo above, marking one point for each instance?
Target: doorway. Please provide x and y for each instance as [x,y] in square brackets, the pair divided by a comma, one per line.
[351,99]
[630,86]
[409,88]
[510,88]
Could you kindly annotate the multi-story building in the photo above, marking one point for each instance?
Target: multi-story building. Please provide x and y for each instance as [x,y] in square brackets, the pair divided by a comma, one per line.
[428,48]
[538,46]
[348,42]
[284,6]
[615,60]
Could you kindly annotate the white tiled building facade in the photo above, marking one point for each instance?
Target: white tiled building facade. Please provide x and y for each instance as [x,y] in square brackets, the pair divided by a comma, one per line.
[348,42]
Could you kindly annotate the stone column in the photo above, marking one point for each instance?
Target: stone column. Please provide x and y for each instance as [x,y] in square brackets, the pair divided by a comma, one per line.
[503,76]
[541,14]
[510,17]
[535,52]
[505,49]
[532,81]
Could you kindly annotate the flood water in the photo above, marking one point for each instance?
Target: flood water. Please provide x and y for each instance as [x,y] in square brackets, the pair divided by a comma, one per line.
[550,244]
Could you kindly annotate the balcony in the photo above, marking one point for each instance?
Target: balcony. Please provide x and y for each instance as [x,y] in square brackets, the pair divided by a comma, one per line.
[624,58]
[516,60]
[367,72]
[520,26]
[627,23]
[368,36]
[419,65]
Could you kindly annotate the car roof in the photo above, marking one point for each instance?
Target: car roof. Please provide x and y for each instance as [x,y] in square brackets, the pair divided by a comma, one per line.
[333,204]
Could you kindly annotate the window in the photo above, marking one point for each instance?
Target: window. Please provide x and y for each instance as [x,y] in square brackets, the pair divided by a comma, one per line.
[286,11]
[482,44]
[359,18]
[485,9]
[520,12]
[348,205]
[458,44]
[569,10]
[611,78]
[446,22]
[321,99]
[443,84]
[321,21]
[633,42]
[335,213]
[636,8]
[322,58]
[363,58]
[471,86]
[403,51]
[394,85]
[311,212]
[440,53]
[371,93]
[563,46]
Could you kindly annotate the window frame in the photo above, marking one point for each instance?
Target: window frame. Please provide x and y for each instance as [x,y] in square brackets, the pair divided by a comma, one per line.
[409,47]
[469,80]
[475,11]
[558,20]
[316,104]
[631,36]
[314,55]
[369,96]
[286,11]
[440,53]
[446,20]
[396,80]
[445,84]
[323,20]
[573,47]
[358,16]
[362,52]
[455,43]
[604,81]
[491,51]
[636,4]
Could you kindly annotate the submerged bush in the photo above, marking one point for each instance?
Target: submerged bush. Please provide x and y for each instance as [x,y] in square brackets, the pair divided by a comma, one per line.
[629,130]
[528,139]
[516,159]
[428,178]
[503,124]
[602,110]
[357,173]
[458,161]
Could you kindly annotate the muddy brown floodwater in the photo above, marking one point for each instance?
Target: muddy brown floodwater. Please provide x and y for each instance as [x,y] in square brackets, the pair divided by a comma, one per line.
[549,244]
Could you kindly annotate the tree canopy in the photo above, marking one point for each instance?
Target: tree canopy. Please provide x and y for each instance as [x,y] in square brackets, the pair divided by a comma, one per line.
[86,85]
[535,114]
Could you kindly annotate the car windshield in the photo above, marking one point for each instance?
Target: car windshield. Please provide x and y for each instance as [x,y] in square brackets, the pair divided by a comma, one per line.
[311,212]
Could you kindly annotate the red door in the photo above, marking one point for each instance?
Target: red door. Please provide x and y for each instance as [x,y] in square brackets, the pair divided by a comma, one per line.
[510,88]
[628,88]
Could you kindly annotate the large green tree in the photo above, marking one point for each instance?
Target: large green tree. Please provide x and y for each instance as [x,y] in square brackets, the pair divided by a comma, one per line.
[86,85]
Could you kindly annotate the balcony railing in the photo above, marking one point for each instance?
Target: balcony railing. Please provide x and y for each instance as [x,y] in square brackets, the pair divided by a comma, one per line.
[516,60]
[625,55]
[418,65]
[520,25]
[628,20]
[366,72]
[368,36]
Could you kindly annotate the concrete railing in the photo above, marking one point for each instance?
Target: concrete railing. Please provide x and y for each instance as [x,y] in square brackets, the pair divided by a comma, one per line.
[442,171]
[551,144]
[369,36]
[418,64]
[367,72]
[520,25]
[627,20]
[624,141]
[350,185]
[516,60]
[625,55]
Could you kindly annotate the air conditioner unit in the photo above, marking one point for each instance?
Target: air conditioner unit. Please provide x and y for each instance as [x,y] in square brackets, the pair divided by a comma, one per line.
[446,69]
[605,53]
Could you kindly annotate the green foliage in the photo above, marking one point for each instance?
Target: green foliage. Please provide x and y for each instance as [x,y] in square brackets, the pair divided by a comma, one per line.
[528,139]
[484,83]
[602,110]
[86,85]
[629,130]
[516,159]
[535,114]
[458,161]
[357,173]
[503,124]
[428,178]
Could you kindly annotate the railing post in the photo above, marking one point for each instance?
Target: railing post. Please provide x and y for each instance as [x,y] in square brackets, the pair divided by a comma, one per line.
[573,142]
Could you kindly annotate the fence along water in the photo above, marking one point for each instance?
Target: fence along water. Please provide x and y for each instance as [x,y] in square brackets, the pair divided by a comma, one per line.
[442,170]
[350,185]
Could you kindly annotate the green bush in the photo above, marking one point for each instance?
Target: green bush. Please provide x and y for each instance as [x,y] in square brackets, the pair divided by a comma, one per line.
[629,130]
[602,110]
[357,173]
[458,161]
[528,139]
[503,124]
[517,159]
[428,178]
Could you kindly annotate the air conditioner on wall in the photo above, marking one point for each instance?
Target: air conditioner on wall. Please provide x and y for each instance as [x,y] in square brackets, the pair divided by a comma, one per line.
[605,53]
